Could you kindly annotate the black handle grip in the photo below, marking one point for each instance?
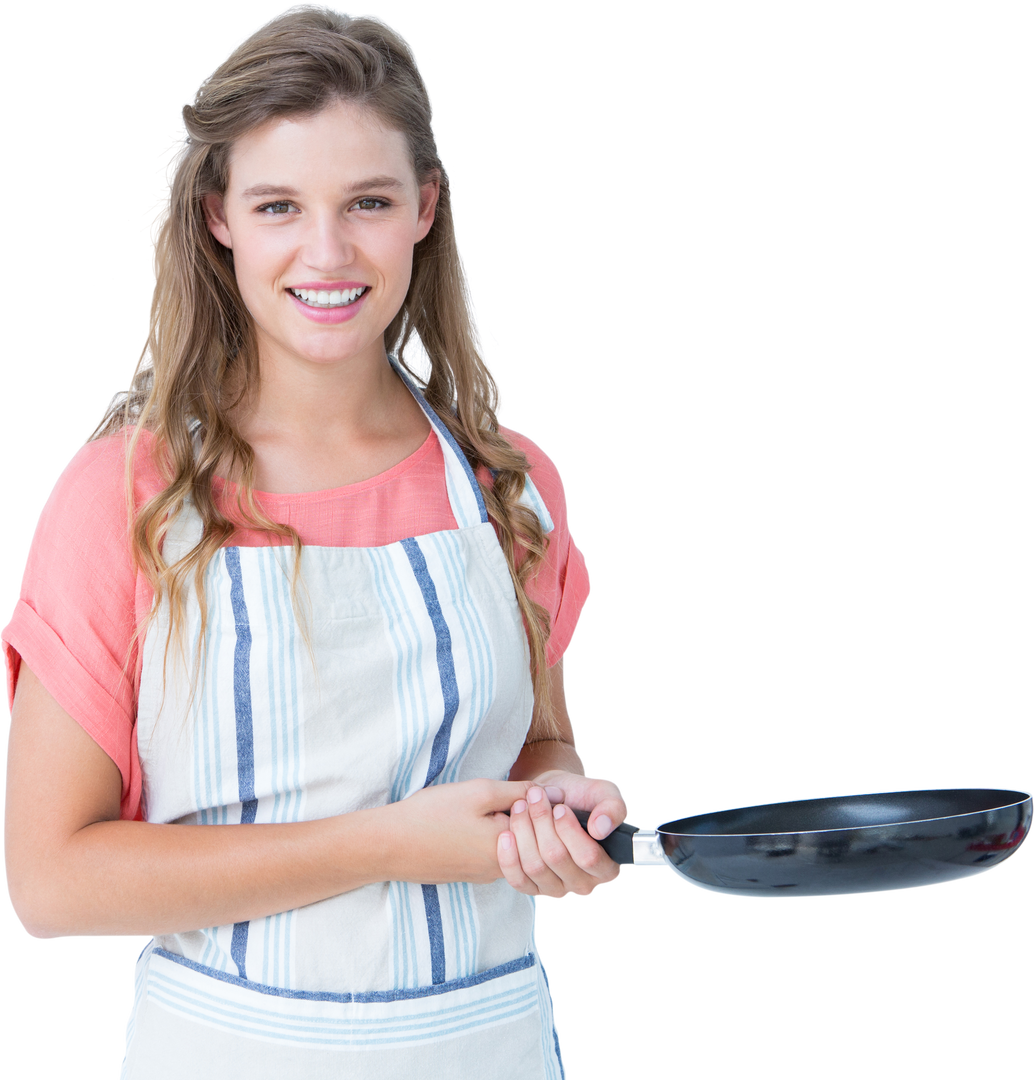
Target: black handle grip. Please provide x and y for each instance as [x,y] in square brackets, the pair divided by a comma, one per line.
[619,844]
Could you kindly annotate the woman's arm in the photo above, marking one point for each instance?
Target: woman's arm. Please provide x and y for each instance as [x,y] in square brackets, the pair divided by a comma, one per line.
[550,758]
[74,868]
[546,751]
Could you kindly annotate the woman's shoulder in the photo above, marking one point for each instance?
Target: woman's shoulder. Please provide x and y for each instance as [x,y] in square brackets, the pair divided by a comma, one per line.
[543,472]
[105,453]
[542,464]
[94,481]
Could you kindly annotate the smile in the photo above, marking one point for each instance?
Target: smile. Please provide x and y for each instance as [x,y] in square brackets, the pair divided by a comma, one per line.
[320,298]
[330,307]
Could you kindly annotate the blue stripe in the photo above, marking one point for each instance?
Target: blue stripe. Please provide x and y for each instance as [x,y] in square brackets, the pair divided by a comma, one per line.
[440,746]
[520,964]
[339,1030]
[463,916]
[239,947]
[443,652]
[479,648]
[245,736]
[435,933]
[407,641]
[533,500]
[284,733]
[482,682]
[209,746]
[405,936]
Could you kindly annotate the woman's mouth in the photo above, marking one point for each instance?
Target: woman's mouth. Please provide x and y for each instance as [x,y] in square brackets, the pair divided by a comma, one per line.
[330,307]
[335,298]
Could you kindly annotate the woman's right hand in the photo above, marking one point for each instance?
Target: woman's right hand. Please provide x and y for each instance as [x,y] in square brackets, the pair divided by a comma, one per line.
[450,832]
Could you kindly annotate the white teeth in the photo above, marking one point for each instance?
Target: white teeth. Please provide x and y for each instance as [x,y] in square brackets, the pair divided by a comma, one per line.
[323,298]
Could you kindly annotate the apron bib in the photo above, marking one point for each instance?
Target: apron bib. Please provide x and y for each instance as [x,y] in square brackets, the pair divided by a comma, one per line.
[389,669]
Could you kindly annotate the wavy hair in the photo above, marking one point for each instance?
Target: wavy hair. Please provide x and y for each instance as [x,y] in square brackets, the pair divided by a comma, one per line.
[201,350]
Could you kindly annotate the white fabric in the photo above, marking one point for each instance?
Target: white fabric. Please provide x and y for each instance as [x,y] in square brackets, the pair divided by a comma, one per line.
[387,669]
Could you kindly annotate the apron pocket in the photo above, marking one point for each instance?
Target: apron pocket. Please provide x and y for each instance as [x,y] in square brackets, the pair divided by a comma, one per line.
[191,1018]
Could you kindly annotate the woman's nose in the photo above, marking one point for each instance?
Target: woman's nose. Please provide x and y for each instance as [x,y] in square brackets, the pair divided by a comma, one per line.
[328,245]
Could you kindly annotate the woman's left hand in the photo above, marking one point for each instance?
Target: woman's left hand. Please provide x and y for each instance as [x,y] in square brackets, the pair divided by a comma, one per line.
[546,851]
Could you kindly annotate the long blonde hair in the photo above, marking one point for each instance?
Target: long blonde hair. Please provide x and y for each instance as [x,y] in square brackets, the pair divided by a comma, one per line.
[201,351]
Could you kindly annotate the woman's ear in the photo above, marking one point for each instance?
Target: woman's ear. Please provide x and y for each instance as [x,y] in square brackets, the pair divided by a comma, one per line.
[428,205]
[215,218]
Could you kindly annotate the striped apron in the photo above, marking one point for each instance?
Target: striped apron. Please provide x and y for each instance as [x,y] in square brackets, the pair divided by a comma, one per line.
[389,669]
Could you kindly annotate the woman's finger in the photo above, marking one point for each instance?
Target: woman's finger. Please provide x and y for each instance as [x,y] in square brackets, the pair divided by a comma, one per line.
[606,815]
[533,862]
[556,850]
[551,847]
[510,865]
[590,858]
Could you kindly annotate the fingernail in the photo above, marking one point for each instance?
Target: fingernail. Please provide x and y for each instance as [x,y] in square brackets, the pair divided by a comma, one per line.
[558,811]
[506,840]
[519,807]
[535,795]
[555,794]
[604,824]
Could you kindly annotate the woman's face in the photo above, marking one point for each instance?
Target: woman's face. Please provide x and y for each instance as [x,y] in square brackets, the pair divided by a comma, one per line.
[322,213]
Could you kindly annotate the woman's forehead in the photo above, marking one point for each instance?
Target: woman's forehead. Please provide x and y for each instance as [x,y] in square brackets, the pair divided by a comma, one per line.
[342,141]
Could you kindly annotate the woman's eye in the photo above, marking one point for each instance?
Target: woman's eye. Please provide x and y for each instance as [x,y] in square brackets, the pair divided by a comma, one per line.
[280,208]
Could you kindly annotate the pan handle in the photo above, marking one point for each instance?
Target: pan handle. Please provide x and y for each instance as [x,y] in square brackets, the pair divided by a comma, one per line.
[618,845]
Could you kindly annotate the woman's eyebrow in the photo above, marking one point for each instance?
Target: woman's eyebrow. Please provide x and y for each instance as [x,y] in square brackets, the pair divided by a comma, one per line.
[378,183]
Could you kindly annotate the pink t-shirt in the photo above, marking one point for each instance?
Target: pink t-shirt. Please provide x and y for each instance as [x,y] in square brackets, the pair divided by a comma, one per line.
[82,599]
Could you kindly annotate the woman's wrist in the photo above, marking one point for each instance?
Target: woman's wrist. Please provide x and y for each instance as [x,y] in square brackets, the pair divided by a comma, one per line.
[544,756]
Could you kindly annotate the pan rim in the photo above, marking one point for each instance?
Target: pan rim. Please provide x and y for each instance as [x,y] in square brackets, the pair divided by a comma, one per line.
[1024,795]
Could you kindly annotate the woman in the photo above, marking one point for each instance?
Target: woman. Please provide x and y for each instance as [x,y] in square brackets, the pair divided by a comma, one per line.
[306,691]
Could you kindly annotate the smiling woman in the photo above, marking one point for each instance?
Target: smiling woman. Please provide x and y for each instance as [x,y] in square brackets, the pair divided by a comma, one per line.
[301,694]
[344,197]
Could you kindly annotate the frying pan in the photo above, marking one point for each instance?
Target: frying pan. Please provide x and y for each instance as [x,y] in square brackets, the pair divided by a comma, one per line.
[857,843]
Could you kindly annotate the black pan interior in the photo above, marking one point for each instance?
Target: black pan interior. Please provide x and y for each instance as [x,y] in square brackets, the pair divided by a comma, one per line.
[846,812]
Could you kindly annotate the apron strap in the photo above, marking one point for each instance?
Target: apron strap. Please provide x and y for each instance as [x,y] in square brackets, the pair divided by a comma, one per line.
[468,506]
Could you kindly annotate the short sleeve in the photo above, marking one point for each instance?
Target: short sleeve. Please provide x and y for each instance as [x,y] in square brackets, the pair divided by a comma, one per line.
[561,584]
[76,618]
